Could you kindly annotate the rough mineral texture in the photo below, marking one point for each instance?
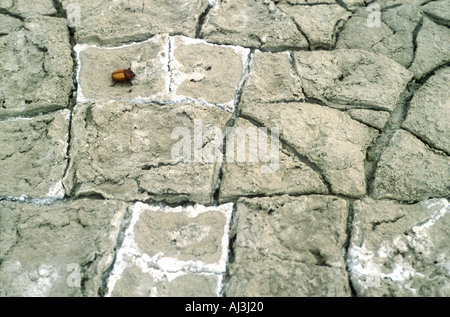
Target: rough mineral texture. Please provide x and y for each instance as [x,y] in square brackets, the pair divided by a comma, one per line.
[373,118]
[318,22]
[432,51]
[351,78]
[425,173]
[206,72]
[356,4]
[33,155]
[438,10]
[187,235]
[9,24]
[391,3]
[148,60]
[400,250]
[393,38]
[288,246]
[430,110]
[280,173]
[148,283]
[271,78]
[116,22]
[124,151]
[184,69]
[36,67]
[23,8]
[251,23]
[57,250]
[172,251]
[326,137]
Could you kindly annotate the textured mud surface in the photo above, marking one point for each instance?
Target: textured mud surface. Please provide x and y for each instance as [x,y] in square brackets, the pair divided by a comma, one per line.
[264,148]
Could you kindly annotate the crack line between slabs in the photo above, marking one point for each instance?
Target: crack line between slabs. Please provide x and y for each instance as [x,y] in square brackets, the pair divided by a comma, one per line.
[231,121]
[291,149]
[427,143]
[120,237]
[415,34]
[202,19]
[394,124]
[346,247]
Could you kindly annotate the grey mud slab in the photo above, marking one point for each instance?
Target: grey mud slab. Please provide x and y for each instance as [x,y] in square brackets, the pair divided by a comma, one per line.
[22,8]
[271,79]
[36,63]
[113,23]
[166,251]
[289,246]
[249,23]
[48,250]
[411,180]
[33,155]
[123,151]
[429,109]
[327,139]
[149,61]
[281,172]
[352,78]
[393,38]
[168,69]
[205,72]
[400,249]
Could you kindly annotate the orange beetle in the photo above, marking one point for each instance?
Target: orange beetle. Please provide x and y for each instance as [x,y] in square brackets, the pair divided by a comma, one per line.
[122,75]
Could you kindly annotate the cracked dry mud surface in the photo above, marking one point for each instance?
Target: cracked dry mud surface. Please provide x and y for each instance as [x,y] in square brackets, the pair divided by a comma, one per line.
[322,167]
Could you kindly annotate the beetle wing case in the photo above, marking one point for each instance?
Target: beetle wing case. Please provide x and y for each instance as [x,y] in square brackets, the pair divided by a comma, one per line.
[119,75]
[122,75]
